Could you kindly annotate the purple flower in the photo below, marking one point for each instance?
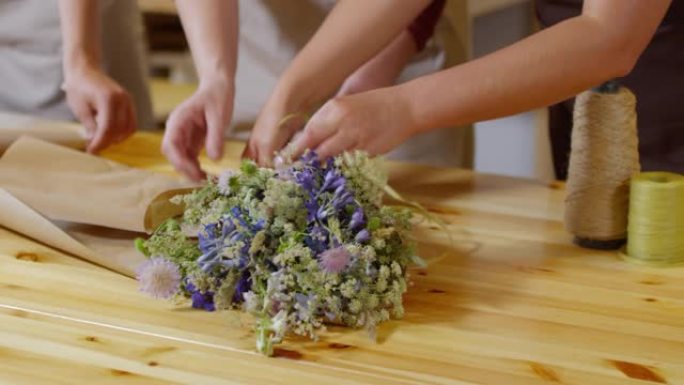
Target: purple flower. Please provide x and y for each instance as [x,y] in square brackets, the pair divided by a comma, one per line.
[317,239]
[333,180]
[306,180]
[159,277]
[310,158]
[243,286]
[201,300]
[358,220]
[234,227]
[363,236]
[334,260]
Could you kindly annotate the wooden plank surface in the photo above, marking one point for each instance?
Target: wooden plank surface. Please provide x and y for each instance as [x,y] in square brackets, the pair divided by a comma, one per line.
[506,299]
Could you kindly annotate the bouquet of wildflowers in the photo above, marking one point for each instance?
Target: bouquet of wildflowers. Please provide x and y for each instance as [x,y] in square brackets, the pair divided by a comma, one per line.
[304,244]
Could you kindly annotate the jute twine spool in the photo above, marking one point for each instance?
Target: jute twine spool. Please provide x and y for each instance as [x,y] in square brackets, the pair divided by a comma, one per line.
[603,159]
[656,219]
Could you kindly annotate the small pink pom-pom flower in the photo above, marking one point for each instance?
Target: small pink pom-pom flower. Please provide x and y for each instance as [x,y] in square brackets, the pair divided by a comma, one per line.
[159,277]
[334,260]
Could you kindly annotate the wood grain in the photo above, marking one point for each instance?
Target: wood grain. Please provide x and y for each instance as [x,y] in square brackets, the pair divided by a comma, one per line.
[506,299]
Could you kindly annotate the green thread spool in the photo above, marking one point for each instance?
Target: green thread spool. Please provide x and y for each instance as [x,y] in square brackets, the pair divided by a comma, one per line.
[656,219]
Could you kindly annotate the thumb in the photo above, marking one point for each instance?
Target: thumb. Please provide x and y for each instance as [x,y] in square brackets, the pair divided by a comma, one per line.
[215,134]
[86,115]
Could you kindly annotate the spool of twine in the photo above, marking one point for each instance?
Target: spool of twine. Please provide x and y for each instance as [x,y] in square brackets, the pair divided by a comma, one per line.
[603,159]
[656,219]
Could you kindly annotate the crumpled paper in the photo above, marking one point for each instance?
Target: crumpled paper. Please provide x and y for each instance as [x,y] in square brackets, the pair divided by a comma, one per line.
[109,248]
[13,126]
[87,206]
[68,185]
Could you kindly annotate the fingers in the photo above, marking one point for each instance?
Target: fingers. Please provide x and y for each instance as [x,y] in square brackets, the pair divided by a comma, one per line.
[115,120]
[250,150]
[182,141]
[130,124]
[215,134]
[183,160]
[265,155]
[105,121]
[322,126]
[336,145]
[86,115]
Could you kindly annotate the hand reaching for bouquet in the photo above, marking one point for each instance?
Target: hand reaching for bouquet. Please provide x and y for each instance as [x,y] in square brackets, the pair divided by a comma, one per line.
[355,119]
[101,105]
[375,122]
[199,122]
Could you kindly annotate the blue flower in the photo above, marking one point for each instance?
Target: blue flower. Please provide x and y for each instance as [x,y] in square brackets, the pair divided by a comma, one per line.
[363,236]
[201,300]
[234,228]
[358,220]
[243,286]
[317,239]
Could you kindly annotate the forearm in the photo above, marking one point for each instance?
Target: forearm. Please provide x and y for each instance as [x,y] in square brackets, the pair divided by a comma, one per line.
[80,34]
[543,69]
[211,27]
[384,68]
[350,36]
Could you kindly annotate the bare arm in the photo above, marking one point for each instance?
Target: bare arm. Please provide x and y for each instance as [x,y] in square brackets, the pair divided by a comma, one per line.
[603,43]
[351,35]
[102,106]
[80,32]
[384,68]
[211,27]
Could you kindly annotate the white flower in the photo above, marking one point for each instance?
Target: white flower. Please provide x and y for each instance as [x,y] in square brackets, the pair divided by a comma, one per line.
[224,181]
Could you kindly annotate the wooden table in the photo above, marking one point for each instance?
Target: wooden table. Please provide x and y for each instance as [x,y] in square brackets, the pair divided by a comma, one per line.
[510,302]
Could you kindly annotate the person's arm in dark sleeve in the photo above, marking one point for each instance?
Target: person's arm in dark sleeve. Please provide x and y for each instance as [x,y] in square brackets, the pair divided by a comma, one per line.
[423,27]
[384,69]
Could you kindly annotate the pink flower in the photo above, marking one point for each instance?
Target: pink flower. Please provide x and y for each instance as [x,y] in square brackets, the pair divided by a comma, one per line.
[159,277]
[334,260]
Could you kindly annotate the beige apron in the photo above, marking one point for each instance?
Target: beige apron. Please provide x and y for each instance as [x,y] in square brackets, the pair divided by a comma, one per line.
[273,31]
[31,65]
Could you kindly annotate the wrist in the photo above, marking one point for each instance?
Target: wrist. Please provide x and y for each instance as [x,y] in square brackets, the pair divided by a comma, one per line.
[220,78]
[77,63]
[213,70]
[407,104]
[290,97]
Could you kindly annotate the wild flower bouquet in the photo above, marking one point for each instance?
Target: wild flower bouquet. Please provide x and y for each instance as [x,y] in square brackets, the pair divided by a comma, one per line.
[298,246]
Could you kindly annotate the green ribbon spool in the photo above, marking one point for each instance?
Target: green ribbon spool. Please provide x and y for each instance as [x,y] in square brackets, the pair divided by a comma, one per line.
[656,219]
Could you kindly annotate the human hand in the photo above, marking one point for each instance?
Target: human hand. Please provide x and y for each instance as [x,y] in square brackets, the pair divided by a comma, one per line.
[199,122]
[103,107]
[375,122]
[277,123]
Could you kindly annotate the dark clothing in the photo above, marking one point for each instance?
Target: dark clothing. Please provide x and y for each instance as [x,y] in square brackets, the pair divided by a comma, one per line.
[658,82]
[423,27]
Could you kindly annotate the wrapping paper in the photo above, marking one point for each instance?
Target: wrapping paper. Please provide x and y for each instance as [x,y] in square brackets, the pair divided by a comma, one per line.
[89,207]
[14,126]
[68,185]
[105,247]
